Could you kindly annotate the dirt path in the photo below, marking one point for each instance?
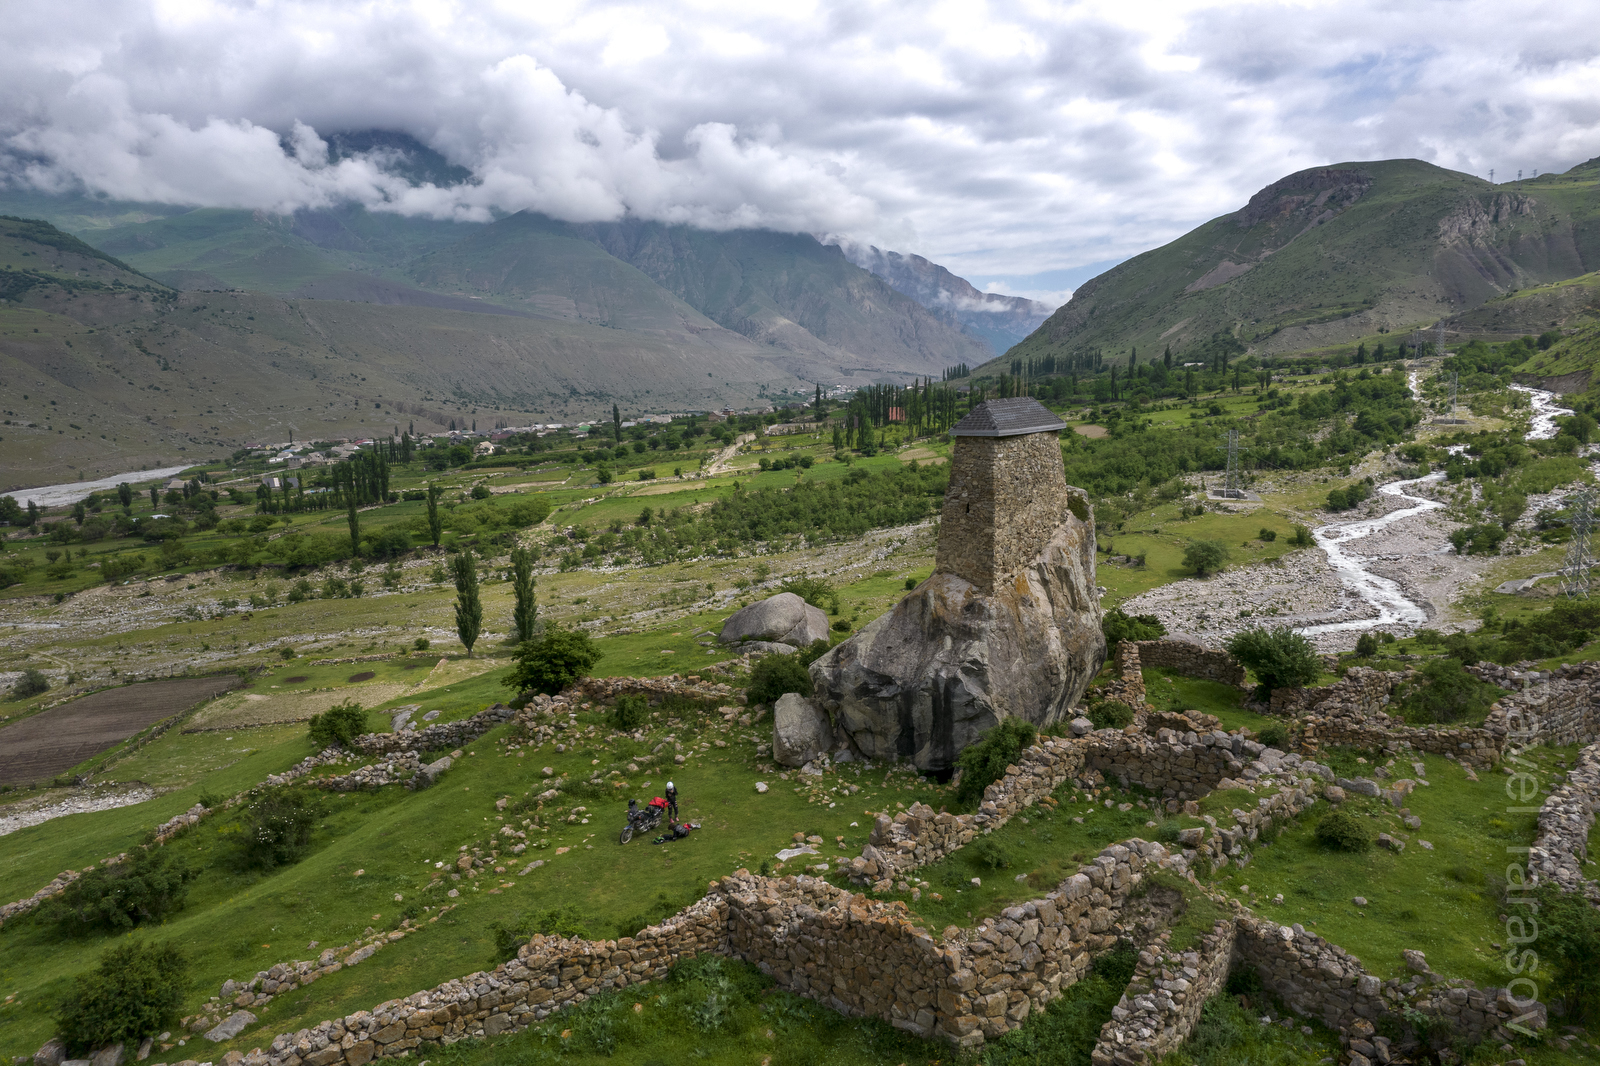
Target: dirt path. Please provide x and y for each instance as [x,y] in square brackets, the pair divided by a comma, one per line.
[725,456]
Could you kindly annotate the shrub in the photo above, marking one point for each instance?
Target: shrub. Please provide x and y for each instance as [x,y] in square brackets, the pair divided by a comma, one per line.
[1343,831]
[1274,736]
[911,583]
[985,762]
[630,713]
[552,661]
[339,724]
[840,625]
[987,854]
[278,828]
[1205,557]
[481,492]
[1280,658]
[137,991]
[775,675]
[1268,535]
[116,898]
[1445,692]
[1569,929]
[1302,537]
[1119,626]
[1167,832]
[816,591]
[421,644]
[1367,645]
[31,683]
[1110,714]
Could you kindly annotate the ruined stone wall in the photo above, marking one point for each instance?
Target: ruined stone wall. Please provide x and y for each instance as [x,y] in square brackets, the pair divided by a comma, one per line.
[1362,689]
[1007,497]
[1561,845]
[1161,1005]
[1170,764]
[434,737]
[1191,660]
[1127,684]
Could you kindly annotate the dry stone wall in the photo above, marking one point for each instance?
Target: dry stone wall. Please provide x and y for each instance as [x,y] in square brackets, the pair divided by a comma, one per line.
[1162,1003]
[1561,845]
[1191,660]
[1127,684]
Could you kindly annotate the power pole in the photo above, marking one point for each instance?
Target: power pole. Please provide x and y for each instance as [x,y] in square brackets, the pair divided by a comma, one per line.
[1233,483]
[1580,556]
[1455,387]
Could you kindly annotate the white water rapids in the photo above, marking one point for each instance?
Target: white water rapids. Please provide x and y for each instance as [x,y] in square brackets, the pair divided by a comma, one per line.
[1381,593]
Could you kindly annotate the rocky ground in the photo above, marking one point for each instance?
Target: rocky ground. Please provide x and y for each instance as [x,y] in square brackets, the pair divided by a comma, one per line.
[1303,590]
[58,802]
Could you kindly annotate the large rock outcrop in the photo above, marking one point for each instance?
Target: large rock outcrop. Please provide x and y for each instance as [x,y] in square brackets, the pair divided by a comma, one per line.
[949,661]
[1009,623]
[801,730]
[783,619]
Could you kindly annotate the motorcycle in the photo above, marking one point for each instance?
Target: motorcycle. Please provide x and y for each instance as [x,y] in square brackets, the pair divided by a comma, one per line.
[642,819]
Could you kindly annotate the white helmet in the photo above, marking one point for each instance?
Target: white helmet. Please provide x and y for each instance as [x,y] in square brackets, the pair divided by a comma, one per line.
[671,787]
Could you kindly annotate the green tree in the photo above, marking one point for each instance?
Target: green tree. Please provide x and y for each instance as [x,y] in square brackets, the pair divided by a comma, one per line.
[125,494]
[339,724]
[1205,557]
[526,611]
[435,519]
[469,607]
[1280,657]
[137,991]
[117,897]
[552,661]
[155,498]
[616,424]
[1444,692]
[354,519]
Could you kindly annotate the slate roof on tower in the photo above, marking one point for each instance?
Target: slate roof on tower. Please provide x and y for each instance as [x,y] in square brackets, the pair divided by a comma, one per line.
[1008,418]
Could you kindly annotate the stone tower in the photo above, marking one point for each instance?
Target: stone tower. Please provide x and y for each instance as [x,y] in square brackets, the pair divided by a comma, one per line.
[1007,493]
[1008,624]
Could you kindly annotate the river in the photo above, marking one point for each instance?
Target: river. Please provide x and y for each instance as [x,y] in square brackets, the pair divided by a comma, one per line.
[62,495]
[1383,594]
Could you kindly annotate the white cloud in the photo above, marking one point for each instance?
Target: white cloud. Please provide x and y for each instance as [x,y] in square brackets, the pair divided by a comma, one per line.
[1002,140]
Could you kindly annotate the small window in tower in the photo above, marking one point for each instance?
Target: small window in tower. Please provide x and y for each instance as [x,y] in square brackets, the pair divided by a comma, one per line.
[969,508]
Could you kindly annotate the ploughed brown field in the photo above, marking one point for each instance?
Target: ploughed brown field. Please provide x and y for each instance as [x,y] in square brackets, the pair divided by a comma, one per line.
[38,748]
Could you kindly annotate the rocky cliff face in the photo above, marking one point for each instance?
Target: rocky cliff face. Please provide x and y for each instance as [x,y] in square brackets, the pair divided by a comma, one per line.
[949,662]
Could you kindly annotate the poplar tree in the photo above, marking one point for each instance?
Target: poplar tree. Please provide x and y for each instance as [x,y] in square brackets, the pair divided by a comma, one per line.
[469,608]
[350,516]
[616,424]
[435,522]
[522,586]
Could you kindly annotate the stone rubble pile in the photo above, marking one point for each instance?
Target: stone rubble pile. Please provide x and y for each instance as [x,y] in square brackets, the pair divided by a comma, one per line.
[444,735]
[401,767]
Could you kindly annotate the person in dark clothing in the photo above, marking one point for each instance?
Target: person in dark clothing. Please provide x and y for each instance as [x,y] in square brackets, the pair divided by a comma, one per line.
[672,802]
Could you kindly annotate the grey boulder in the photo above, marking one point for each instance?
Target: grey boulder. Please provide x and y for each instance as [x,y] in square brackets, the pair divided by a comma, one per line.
[801,730]
[111,1055]
[231,1026]
[1081,727]
[781,619]
[53,1053]
[951,661]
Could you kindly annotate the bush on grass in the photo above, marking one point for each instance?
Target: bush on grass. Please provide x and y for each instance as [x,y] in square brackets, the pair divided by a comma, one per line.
[278,827]
[1343,831]
[137,991]
[987,854]
[565,920]
[1274,736]
[630,713]
[775,675]
[1118,626]
[985,762]
[1444,692]
[1205,557]
[31,683]
[114,899]
[339,724]
[1569,930]
[1280,658]
[552,661]
[1110,714]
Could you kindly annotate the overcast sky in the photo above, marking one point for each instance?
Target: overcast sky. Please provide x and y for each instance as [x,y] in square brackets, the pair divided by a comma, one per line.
[1025,146]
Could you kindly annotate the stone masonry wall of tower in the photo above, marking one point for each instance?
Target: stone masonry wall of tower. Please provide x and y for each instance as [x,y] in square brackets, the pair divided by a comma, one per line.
[1007,496]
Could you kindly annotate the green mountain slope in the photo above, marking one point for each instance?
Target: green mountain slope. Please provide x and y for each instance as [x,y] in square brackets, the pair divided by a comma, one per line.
[103,370]
[1335,254]
[835,320]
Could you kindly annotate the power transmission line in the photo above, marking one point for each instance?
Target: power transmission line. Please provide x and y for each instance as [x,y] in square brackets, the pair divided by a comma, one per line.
[1580,554]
